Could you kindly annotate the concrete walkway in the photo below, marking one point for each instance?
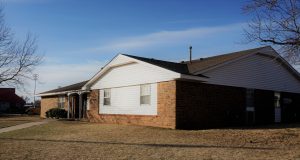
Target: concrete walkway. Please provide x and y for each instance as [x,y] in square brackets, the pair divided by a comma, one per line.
[21,126]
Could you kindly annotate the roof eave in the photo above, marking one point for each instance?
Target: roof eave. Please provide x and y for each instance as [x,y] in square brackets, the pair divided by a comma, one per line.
[192,77]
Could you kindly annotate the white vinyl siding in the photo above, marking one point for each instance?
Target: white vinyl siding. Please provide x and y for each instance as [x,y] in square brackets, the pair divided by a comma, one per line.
[257,72]
[124,77]
[126,100]
[133,74]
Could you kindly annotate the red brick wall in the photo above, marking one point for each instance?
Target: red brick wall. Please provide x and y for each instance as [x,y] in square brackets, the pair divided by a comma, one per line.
[264,106]
[202,105]
[192,105]
[166,93]
[290,110]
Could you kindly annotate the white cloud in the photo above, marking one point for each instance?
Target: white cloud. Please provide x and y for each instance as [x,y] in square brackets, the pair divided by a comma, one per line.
[53,75]
[164,38]
[54,72]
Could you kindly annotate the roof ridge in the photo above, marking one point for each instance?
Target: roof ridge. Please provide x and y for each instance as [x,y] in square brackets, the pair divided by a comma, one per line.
[172,66]
[150,58]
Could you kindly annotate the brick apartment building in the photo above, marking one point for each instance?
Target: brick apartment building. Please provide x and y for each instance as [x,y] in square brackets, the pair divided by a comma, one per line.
[255,86]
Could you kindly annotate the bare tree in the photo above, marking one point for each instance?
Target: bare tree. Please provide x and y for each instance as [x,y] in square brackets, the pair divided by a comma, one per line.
[17,58]
[276,22]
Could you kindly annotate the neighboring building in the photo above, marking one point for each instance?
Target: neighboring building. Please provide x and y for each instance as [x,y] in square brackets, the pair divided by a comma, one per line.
[254,86]
[10,102]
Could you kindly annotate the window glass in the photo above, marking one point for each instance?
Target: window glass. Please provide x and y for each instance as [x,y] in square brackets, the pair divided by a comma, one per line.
[145,95]
[106,99]
[277,99]
[250,98]
[61,101]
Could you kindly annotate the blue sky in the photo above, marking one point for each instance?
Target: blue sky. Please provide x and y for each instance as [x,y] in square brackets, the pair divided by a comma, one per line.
[78,37]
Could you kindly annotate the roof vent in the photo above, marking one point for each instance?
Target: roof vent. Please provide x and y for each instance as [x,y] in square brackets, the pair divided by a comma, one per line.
[190,53]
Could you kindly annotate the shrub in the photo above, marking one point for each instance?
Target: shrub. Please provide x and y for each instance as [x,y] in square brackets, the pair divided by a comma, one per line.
[56,113]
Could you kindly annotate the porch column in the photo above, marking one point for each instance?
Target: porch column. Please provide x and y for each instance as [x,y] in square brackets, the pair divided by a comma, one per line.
[80,105]
[68,106]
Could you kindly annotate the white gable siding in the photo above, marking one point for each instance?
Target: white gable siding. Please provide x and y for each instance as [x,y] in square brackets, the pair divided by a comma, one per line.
[133,74]
[126,100]
[257,71]
[120,59]
[123,76]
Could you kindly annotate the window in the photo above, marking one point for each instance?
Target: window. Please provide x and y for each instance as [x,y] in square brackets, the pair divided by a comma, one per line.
[250,106]
[106,98]
[250,99]
[4,106]
[145,93]
[61,101]
[277,100]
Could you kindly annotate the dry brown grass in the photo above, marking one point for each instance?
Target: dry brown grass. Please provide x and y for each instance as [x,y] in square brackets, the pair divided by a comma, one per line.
[7,121]
[80,140]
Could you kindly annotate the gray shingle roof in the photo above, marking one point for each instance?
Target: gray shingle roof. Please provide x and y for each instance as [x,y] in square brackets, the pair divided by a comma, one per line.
[76,86]
[196,65]
[183,67]
[173,66]
[204,63]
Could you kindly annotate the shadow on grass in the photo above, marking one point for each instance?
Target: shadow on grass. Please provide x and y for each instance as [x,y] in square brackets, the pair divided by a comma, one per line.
[267,126]
[142,144]
[248,127]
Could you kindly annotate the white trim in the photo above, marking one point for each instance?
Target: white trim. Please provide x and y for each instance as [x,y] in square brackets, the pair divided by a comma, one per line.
[52,94]
[63,93]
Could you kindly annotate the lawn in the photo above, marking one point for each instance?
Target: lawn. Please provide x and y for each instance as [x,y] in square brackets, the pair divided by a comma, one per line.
[82,140]
[7,121]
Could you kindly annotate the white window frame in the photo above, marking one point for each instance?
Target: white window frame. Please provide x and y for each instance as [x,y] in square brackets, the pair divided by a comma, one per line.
[61,101]
[277,97]
[107,97]
[145,94]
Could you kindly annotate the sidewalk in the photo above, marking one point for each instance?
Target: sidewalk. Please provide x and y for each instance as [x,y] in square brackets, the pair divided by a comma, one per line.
[21,126]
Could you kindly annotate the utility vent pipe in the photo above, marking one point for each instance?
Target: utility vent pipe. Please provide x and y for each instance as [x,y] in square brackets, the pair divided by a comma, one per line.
[191,53]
